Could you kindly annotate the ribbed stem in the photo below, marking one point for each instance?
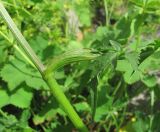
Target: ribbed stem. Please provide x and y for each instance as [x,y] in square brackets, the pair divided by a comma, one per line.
[22,41]
[64,102]
[55,89]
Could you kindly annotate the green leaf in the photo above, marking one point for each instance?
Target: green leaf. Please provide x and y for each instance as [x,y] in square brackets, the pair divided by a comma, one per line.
[155,126]
[38,45]
[147,49]
[10,123]
[7,74]
[115,45]
[103,34]
[21,97]
[82,9]
[153,4]
[2,127]
[123,25]
[133,59]
[130,76]
[149,81]
[48,113]
[138,2]
[103,109]
[22,74]
[137,126]
[3,51]
[38,119]
[139,20]
[4,98]
[102,63]
[26,114]
[82,106]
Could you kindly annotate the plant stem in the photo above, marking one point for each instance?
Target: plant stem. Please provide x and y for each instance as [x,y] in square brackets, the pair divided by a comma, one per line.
[64,102]
[18,49]
[54,87]
[22,41]
[152,112]
[106,12]
[24,56]
[111,11]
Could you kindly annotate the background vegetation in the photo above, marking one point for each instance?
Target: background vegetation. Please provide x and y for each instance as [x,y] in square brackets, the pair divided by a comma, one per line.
[119,91]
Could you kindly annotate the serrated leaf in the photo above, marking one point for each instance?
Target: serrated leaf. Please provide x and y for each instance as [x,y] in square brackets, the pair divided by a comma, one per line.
[101,63]
[4,98]
[9,71]
[22,74]
[9,122]
[24,118]
[145,53]
[148,50]
[21,98]
[36,82]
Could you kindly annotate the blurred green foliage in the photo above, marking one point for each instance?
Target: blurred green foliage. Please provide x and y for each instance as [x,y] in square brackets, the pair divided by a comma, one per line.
[117,92]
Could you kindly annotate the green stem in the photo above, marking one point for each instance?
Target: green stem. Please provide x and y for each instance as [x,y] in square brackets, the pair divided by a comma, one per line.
[64,102]
[18,49]
[152,106]
[106,12]
[24,56]
[111,11]
[22,41]
[55,88]
[14,3]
